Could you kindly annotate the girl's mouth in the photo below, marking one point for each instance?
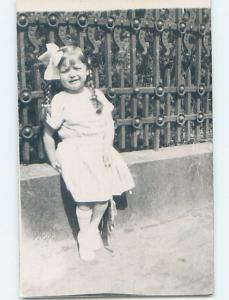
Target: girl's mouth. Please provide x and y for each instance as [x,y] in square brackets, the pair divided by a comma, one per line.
[73,80]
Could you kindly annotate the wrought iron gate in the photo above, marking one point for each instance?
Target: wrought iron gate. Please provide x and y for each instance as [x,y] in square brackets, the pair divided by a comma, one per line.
[154,65]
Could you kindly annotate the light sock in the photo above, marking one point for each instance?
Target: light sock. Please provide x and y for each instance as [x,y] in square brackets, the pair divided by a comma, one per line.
[85,250]
[84,218]
[97,214]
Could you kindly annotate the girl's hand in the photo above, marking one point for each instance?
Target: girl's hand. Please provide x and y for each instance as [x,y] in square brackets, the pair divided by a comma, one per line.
[56,166]
[107,158]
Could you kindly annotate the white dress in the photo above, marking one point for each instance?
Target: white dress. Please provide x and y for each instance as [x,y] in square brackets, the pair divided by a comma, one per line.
[80,152]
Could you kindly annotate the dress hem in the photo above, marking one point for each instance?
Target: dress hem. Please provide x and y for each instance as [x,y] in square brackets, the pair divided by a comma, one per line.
[105,199]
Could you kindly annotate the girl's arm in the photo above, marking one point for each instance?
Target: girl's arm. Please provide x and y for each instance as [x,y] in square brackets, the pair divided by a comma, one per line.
[50,148]
[108,140]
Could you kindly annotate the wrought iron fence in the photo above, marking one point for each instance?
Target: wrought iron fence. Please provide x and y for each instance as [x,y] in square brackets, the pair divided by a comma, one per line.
[154,65]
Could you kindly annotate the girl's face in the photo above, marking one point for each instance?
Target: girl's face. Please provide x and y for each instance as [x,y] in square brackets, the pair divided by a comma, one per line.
[73,74]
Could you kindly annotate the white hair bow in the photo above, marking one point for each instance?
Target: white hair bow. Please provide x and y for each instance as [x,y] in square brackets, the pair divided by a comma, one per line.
[51,58]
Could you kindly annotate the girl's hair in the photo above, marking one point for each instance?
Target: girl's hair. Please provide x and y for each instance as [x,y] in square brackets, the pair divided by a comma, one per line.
[77,52]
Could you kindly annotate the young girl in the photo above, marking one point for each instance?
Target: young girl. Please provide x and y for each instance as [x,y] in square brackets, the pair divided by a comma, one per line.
[92,169]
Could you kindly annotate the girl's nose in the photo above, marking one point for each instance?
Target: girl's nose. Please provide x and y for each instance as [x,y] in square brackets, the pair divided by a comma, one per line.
[72,73]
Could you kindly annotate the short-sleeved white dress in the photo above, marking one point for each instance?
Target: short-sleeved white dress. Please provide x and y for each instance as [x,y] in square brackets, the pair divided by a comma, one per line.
[80,152]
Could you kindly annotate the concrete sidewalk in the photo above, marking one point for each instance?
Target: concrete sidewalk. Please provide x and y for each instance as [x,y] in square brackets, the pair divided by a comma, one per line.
[170,257]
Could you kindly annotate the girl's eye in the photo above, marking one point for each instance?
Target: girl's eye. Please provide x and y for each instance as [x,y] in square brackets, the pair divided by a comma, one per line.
[64,70]
[76,68]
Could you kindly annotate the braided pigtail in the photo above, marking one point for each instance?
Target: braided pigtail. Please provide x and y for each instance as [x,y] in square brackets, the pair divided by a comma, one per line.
[94,98]
[49,89]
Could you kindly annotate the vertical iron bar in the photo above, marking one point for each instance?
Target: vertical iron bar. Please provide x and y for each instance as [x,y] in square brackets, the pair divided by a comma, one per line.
[207,108]
[168,107]
[134,137]
[146,127]
[188,105]
[108,59]
[122,137]
[51,36]
[198,72]
[81,40]
[25,115]
[156,76]
[178,74]
[22,59]
[26,145]
[37,78]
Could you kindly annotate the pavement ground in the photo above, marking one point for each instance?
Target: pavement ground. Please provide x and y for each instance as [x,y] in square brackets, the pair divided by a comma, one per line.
[171,257]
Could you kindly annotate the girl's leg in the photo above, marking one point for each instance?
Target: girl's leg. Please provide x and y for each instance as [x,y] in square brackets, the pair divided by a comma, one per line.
[97,213]
[84,213]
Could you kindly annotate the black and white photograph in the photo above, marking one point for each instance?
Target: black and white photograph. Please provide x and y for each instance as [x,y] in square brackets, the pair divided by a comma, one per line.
[115,150]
